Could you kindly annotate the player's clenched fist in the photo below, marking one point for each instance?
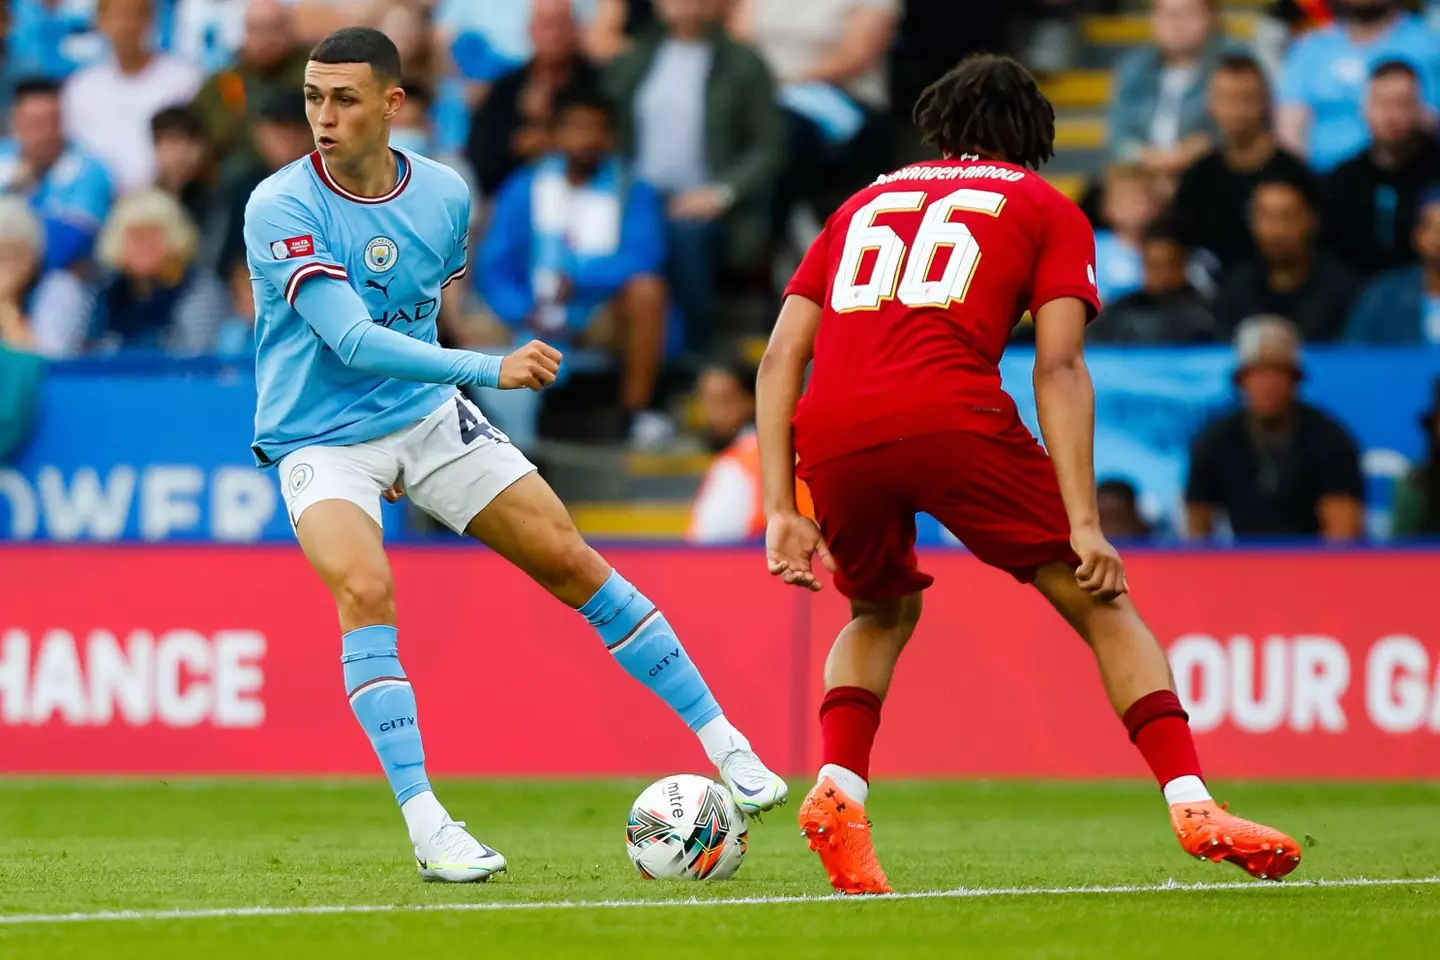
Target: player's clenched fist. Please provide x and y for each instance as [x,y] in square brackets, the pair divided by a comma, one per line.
[1101,572]
[533,365]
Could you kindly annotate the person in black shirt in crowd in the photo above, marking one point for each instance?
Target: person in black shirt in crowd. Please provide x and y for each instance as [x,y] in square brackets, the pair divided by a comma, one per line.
[1292,276]
[1370,202]
[1167,309]
[1211,204]
[1276,467]
[513,125]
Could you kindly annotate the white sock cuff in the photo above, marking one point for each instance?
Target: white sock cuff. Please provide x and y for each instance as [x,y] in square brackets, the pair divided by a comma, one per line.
[1187,789]
[846,779]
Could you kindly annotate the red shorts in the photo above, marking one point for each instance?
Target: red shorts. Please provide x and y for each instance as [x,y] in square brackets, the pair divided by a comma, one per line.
[997,494]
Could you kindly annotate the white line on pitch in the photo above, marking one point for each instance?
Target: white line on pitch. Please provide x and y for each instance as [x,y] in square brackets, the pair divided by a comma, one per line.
[959,893]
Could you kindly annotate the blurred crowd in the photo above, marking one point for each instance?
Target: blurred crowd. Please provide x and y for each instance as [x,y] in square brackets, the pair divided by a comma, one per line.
[631,159]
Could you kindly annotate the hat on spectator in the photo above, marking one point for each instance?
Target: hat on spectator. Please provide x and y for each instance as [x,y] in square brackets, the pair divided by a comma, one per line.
[1267,340]
[285,106]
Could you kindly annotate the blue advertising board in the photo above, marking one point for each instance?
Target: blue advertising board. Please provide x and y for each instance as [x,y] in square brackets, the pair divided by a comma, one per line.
[160,452]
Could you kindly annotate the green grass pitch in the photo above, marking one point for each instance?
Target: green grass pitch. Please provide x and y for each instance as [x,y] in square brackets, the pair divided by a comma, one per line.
[84,847]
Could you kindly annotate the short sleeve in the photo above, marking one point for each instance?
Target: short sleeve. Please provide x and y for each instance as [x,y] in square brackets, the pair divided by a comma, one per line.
[1066,264]
[285,245]
[456,264]
[1338,469]
[813,274]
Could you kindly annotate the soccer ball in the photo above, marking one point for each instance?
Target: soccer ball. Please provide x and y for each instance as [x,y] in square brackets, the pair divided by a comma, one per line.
[686,828]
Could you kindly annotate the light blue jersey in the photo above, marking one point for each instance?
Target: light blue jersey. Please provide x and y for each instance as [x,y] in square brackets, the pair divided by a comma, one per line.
[347,291]
[1328,74]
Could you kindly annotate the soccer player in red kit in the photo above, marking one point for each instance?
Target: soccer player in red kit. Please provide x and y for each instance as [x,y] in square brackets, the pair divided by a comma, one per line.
[905,303]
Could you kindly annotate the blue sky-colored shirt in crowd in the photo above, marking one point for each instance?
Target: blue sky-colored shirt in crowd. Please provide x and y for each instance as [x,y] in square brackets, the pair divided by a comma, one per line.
[1119,268]
[328,268]
[73,198]
[1327,74]
[54,39]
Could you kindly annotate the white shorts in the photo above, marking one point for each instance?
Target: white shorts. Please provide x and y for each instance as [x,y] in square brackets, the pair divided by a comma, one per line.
[452,464]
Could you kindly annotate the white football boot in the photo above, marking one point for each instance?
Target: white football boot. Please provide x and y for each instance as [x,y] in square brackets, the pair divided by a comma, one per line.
[453,856]
[751,783]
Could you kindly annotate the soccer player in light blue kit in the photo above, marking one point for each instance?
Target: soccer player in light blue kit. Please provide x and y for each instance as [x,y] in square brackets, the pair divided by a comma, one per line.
[349,251]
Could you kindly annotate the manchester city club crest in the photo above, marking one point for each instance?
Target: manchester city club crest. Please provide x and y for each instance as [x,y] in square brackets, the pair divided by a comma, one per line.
[300,477]
[381,254]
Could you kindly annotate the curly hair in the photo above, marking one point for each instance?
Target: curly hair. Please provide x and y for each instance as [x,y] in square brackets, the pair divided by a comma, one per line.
[988,105]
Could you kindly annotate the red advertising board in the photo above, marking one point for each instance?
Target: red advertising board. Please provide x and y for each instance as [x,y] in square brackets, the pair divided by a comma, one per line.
[226,660]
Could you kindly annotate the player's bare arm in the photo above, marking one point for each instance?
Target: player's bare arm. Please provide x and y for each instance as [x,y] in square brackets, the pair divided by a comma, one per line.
[1065,401]
[791,540]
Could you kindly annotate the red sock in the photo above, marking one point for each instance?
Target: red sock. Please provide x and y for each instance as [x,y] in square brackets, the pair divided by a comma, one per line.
[849,717]
[1160,728]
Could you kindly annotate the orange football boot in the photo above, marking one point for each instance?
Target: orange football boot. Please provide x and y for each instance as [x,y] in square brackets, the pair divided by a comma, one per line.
[839,831]
[1207,831]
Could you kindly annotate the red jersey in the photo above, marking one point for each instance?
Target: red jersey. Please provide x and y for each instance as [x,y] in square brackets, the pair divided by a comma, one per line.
[923,276]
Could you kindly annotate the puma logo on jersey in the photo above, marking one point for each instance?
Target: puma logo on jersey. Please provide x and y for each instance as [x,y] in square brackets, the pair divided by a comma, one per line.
[385,289]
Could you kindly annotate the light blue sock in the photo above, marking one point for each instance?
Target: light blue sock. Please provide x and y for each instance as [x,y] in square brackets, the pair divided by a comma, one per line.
[645,645]
[384,704]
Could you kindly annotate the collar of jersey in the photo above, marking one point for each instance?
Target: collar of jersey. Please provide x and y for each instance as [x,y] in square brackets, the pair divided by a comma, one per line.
[401,161]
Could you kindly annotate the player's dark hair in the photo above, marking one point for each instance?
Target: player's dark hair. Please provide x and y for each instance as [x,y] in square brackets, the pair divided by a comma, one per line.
[361,45]
[988,105]
[35,87]
[578,95]
[178,120]
[1388,68]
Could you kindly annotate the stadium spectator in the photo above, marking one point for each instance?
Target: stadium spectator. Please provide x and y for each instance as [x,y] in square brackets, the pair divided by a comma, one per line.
[488,40]
[68,189]
[1167,309]
[1129,206]
[208,33]
[282,135]
[1054,38]
[828,57]
[1212,202]
[1277,466]
[156,295]
[1120,518]
[107,106]
[514,125]
[615,26]
[1371,200]
[729,507]
[1292,276]
[51,40]
[42,311]
[698,115]
[1402,306]
[575,254]
[184,161]
[1157,110]
[413,128]
[1416,506]
[270,59]
[1323,83]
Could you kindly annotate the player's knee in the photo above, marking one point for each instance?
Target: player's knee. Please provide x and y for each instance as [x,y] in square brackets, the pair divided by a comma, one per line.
[366,596]
[897,616]
[571,570]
